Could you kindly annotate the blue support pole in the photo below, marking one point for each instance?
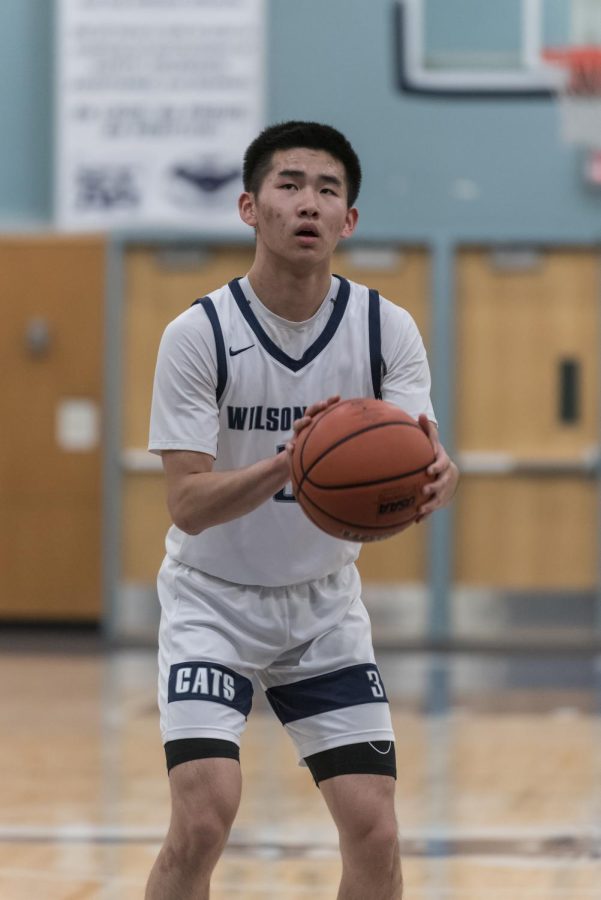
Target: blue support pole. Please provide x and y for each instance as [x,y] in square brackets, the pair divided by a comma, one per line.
[111,514]
[442,360]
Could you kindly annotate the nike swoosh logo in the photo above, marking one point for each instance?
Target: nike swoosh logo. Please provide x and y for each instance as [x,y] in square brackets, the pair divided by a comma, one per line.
[242,349]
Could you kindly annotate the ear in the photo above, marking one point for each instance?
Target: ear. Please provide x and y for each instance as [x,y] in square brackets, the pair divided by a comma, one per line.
[246,209]
[350,223]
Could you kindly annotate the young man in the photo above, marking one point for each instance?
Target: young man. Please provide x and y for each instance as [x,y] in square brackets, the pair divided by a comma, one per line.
[249,585]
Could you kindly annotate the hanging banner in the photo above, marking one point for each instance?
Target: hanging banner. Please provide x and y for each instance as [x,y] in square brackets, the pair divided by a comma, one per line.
[156,101]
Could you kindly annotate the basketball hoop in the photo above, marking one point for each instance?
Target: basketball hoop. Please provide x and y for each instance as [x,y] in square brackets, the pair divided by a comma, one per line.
[580,93]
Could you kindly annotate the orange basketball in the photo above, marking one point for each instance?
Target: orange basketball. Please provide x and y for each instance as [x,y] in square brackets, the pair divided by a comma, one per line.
[358,469]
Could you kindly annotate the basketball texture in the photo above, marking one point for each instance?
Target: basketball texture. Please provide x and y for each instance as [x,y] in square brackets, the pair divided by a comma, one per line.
[358,469]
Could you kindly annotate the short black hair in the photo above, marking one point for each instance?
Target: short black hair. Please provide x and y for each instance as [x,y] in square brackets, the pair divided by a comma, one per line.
[288,136]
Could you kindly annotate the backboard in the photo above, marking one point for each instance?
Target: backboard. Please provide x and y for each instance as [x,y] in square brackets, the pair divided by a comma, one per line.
[479,47]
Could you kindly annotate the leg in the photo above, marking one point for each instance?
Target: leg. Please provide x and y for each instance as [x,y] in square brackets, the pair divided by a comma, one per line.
[205,794]
[363,809]
[198,663]
[329,695]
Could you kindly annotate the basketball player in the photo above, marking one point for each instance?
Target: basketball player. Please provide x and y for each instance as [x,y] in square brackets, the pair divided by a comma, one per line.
[249,586]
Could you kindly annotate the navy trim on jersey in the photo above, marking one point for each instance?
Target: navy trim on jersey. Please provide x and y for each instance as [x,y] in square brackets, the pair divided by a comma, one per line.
[316,347]
[201,680]
[209,307]
[352,686]
[375,343]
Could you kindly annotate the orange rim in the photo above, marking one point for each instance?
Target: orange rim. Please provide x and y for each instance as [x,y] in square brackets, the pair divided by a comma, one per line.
[583,65]
[588,55]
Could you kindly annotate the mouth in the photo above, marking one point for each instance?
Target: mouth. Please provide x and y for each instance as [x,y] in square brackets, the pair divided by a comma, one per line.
[307,233]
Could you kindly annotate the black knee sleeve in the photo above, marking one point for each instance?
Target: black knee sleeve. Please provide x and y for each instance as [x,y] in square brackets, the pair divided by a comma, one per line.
[368,758]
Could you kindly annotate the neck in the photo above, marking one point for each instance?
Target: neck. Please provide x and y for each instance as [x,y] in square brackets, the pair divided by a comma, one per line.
[291,293]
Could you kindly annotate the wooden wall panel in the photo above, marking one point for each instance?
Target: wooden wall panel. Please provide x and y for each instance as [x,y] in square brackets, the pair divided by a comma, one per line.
[401,274]
[515,328]
[526,532]
[50,493]
[146,520]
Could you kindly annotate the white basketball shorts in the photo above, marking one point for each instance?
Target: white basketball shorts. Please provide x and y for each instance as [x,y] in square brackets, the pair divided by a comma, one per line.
[308,645]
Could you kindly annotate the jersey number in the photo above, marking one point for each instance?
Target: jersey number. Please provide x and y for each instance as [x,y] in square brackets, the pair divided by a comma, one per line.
[285,495]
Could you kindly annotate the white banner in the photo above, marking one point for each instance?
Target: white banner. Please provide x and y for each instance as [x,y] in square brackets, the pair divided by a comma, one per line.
[156,102]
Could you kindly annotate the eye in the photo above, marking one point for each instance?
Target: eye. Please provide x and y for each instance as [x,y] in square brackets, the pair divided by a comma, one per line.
[287,186]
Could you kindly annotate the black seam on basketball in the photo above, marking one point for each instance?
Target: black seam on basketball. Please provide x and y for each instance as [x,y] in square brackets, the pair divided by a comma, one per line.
[356,525]
[310,517]
[311,428]
[357,484]
[349,437]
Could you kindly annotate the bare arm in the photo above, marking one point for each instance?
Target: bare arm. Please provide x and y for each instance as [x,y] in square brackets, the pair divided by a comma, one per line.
[199,498]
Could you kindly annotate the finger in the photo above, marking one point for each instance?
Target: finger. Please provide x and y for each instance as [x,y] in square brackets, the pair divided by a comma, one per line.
[426,426]
[323,404]
[422,508]
[441,462]
[425,510]
[428,505]
[306,420]
[437,467]
[429,491]
[314,409]
[299,424]
[441,492]
[318,407]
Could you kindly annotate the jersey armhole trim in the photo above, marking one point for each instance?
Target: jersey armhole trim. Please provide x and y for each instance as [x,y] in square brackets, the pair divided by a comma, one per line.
[209,307]
[375,343]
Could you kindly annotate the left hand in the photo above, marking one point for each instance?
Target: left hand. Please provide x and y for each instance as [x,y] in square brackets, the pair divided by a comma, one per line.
[440,491]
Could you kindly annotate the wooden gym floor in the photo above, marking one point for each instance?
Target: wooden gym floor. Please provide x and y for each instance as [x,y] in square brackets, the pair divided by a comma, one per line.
[499,794]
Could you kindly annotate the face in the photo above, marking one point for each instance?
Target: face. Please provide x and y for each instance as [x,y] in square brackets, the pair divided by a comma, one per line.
[300,212]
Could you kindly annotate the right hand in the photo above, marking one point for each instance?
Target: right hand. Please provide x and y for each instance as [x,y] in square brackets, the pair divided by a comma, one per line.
[310,413]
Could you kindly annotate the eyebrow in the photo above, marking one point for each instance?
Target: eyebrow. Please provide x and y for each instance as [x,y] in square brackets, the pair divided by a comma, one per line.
[298,173]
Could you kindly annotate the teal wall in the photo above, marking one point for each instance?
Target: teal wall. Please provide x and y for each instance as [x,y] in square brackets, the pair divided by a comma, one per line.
[436,169]
[25,110]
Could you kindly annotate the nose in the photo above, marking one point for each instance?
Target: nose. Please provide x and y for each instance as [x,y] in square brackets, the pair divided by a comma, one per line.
[308,203]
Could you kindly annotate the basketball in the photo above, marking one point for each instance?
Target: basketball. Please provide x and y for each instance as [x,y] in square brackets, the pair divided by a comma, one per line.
[358,469]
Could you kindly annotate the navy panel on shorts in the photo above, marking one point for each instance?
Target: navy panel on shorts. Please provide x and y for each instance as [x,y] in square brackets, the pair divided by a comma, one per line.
[210,681]
[352,686]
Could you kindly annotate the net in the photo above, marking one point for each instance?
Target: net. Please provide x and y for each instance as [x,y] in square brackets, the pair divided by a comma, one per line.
[580,93]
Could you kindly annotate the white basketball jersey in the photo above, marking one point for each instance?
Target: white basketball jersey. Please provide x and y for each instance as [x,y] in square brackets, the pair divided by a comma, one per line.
[259,391]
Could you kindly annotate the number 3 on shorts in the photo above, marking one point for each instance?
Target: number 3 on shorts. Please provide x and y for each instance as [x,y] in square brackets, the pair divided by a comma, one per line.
[377,688]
